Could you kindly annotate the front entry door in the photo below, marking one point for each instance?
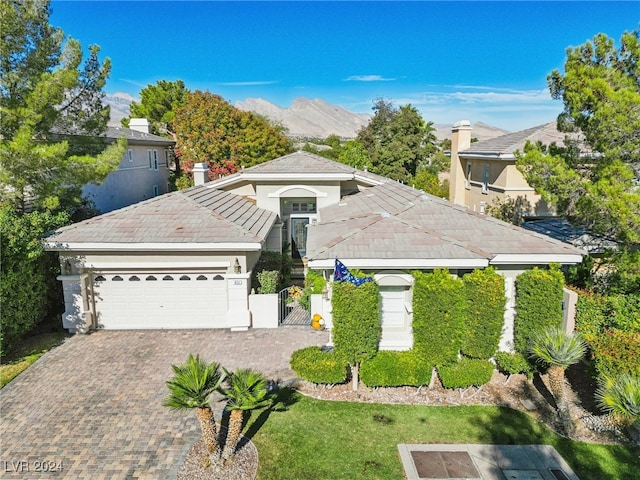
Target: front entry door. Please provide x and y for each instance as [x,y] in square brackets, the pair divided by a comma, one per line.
[299,236]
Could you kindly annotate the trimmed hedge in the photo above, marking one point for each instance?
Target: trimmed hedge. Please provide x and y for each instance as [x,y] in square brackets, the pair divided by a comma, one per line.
[396,369]
[29,290]
[513,363]
[616,352]
[485,297]
[465,373]
[314,365]
[539,298]
[356,320]
[438,316]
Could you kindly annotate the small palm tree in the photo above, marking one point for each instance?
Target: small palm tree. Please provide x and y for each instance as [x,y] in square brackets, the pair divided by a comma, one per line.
[246,390]
[191,387]
[558,349]
[620,397]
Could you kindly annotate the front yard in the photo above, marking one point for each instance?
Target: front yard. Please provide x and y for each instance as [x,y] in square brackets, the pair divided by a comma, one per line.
[314,439]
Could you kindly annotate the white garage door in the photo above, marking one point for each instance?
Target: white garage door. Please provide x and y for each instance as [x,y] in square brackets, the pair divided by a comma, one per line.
[160,300]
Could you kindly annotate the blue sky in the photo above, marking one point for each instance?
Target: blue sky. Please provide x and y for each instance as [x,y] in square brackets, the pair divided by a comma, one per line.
[475,60]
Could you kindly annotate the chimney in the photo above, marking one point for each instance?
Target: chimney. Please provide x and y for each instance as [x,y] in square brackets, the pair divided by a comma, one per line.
[200,174]
[460,140]
[139,125]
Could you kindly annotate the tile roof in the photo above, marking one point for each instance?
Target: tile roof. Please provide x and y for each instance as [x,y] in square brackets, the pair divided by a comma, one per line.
[509,143]
[299,164]
[134,136]
[396,221]
[197,215]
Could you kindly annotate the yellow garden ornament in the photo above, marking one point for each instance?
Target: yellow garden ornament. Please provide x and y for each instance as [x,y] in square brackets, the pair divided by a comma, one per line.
[317,322]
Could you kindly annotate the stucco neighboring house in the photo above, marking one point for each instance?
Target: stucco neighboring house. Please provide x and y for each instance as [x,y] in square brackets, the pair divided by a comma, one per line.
[482,172]
[184,260]
[143,172]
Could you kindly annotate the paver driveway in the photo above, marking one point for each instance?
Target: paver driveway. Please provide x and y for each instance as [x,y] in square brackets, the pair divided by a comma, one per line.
[94,404]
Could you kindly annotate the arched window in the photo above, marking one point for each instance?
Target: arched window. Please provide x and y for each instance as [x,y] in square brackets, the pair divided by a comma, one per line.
[201,277]
[134,278]
[218,277]
[151,278]
[167,277]
[100,278]
[117,278]
[185,277]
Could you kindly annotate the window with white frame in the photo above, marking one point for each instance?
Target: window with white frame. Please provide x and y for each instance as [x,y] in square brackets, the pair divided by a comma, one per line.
[153,159]
[485,179]
[167,158]
[467,176]
[130,155]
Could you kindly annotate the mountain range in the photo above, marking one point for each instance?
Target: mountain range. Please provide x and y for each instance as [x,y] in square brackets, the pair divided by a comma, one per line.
[306,118]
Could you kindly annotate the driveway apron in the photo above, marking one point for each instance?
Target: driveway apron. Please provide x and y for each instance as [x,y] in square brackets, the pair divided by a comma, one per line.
[92,408]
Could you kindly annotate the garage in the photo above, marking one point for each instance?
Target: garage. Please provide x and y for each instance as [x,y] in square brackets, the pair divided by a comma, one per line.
[152,300]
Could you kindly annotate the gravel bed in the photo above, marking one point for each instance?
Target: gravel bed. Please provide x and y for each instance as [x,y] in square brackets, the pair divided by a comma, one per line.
[244,466]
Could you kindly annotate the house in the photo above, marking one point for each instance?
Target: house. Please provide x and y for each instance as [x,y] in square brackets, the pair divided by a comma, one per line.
[184,260]
[143,172]
[485,171]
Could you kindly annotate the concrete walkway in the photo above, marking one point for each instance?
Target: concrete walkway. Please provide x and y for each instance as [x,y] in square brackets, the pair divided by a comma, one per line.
[92,408]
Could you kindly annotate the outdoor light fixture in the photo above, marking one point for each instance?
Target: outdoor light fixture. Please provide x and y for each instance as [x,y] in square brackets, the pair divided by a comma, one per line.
[236,266]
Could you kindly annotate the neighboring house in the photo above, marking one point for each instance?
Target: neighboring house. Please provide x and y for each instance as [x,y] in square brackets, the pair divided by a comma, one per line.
[485,171]
[143,172]
[184,260]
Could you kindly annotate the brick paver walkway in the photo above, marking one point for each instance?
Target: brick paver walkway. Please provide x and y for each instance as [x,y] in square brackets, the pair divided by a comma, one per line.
[94,404]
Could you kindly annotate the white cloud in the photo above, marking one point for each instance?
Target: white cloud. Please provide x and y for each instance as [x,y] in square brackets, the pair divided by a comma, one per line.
[368,78]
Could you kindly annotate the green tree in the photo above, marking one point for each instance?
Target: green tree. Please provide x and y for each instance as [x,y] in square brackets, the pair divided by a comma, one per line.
[355,155]
[429,182]
[557,349]
[190,388]
[397,140]
[211,130]
[28,285]
[51,112]
[246,390]
[158,104]
[600,90]
[356,323]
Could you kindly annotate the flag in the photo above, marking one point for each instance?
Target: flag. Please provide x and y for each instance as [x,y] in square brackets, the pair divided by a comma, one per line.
[342,274]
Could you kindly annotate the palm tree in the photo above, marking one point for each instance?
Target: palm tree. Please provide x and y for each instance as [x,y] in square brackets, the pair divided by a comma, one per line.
[558,349]
[191,387]
[246,390]
[620,397]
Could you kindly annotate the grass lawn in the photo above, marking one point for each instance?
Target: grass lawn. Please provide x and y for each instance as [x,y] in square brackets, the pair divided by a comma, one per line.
[29,351]
[314,439]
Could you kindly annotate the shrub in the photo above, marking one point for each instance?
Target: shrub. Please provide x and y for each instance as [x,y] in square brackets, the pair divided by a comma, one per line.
[539,298]
[280,262]
[28,286]
[616,352]
[485,296]
[268,280]
[396,369]
[466,373]
[438,316]
[314,365]
[513,363]
[356,322]
[314,283]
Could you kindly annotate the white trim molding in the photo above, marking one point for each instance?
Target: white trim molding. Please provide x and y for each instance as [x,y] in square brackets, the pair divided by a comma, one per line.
[278,193]
[154,247]
[403,263]
[533,259]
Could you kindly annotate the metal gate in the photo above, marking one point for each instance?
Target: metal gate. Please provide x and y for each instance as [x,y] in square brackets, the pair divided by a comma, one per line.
[291,312]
